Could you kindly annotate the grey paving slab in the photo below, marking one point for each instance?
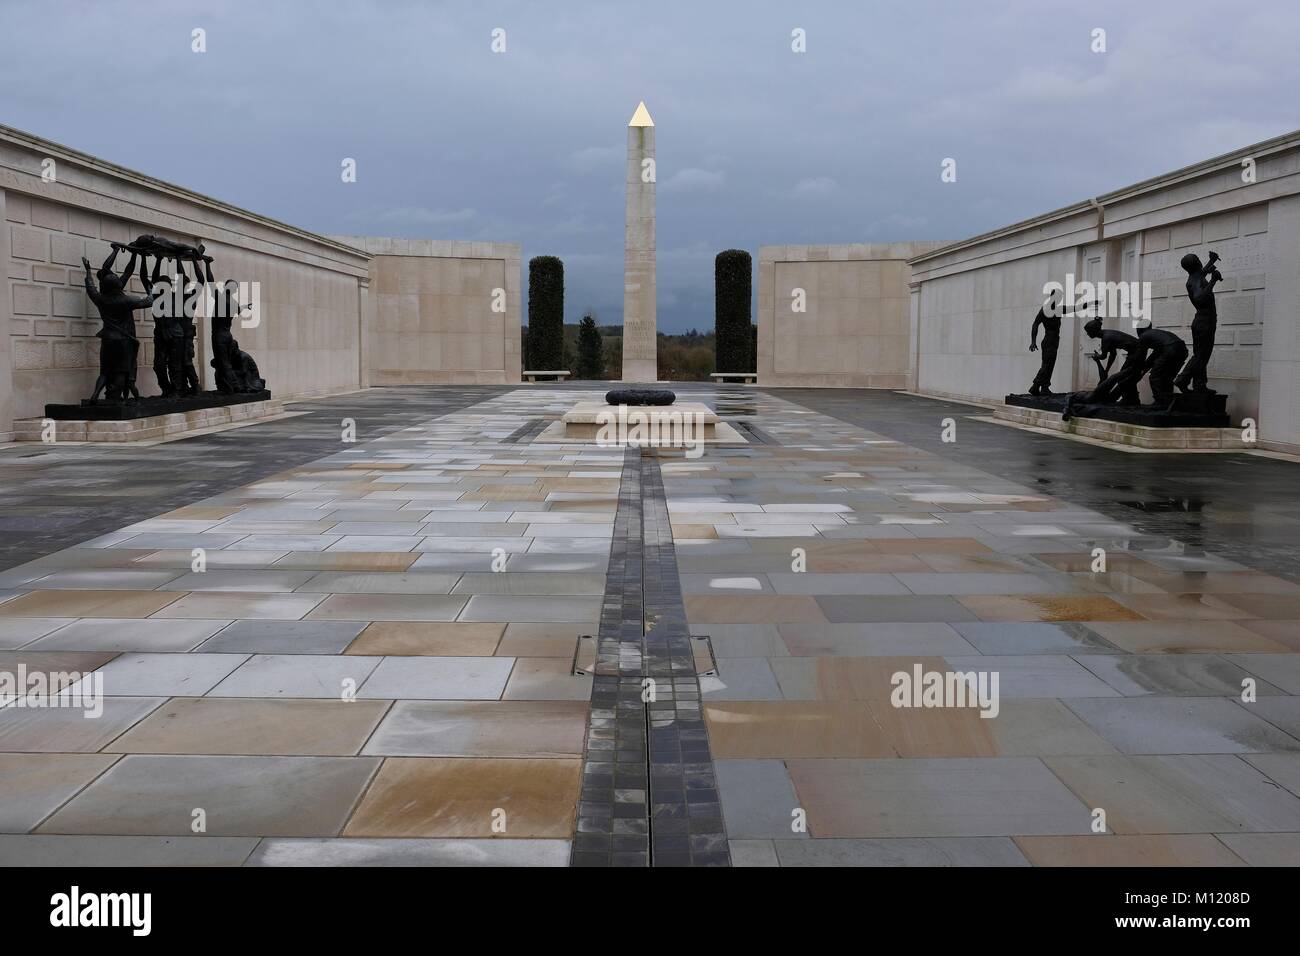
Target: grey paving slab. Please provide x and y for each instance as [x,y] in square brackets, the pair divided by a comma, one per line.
[985,796]
[745,640]
[476,728]
[1264,849]
[532,583]
[284,637]
[164,675]
[32,786]
[981,583]
[115,851]
[1281,712]
[109,579]
[811,582]
[1037,675]
[388,582]
[1184,793]
[116,634]
[17,631]
[546,678]
[1182,725]
[1280,670]
[938,851]
[1172,675]
[850,608]
[753,853]
[438,678]
[872,639]
[233,605]
[410,852]
[1283,769]
[758,800]
[297,675]
[1026,637]
[741,679]
[240,796]
[229,580]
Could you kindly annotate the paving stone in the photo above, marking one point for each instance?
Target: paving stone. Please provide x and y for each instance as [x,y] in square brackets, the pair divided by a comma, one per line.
[283,637]
[482,729]
[1186,725]
[758,800]
[410,852]
[240,796]
[437,678]
[118,851]
[32,786]
[938,851]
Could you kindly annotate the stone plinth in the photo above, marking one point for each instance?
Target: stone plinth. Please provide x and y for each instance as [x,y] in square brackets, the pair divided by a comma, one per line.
[670,423]
[148,428]
[1123,433]
[640,326]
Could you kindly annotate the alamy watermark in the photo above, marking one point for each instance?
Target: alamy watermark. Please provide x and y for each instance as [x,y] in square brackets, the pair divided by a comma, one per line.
[660,426]
[74,689]
[1123,300]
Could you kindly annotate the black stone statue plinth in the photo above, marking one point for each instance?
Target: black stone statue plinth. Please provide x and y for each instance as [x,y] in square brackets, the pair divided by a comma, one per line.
[1189,410]
[93,411]
[640,396]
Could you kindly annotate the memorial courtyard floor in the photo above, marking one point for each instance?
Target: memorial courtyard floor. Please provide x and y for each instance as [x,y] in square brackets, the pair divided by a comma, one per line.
[450,643]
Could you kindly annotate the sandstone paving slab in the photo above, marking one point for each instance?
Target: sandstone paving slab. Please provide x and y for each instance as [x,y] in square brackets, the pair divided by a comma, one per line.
[109,579]
[69,729]
[387,607]
[16,632]
[1187,637]
[258,726]
[741,679]
[983,796]
[872,639]
[1279,670]
[437,678]
[428,639]
[342,851]
[88,603]
[156,795]
[32,786]
[443,728]
[546,678]
[457,797]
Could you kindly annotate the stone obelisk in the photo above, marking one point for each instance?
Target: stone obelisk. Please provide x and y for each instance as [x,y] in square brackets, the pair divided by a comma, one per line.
[640,332]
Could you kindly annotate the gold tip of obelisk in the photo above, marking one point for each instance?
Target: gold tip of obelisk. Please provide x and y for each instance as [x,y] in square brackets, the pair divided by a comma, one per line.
[641,117]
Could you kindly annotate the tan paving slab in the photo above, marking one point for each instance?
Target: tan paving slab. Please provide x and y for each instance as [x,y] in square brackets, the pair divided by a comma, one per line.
[69,729]
[32,786]
[457,797]
[70,603]
[428,639]
[388,607]
[192,725]
[348,560]
[1047,607]
[788,729]
[235,605]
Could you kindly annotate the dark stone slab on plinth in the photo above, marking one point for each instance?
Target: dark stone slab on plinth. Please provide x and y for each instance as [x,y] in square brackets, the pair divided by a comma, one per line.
[1190,410]
[89,411]
[640,396]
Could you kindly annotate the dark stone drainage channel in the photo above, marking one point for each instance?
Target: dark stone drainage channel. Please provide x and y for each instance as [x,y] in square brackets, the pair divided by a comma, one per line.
[649,795]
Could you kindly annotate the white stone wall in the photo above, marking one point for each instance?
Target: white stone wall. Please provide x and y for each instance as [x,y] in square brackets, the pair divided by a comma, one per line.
[434,320]
[309,338]
[973,302]
[853,330]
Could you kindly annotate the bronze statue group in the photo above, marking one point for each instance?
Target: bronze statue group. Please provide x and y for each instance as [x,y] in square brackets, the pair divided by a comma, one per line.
[1156,353]
[173,309]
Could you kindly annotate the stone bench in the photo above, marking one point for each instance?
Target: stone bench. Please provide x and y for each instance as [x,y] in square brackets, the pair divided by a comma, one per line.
[559,375]
[736,376]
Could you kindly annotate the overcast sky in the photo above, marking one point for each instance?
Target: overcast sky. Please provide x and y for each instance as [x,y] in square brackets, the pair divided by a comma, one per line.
[756,144]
